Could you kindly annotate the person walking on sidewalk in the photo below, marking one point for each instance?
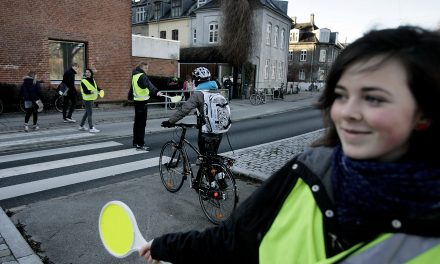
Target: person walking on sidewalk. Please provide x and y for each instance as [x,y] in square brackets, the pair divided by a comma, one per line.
[367,192]
[30,91]
[142,89]
[89,92]
[69,81]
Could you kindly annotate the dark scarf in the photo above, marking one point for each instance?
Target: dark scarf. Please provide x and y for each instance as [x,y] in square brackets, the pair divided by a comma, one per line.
[369,190]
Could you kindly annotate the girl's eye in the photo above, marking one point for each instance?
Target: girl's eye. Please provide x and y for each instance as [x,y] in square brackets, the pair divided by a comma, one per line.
[375,100]
[339,96]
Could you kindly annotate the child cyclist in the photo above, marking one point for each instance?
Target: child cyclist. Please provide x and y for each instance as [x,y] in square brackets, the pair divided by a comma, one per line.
[208,142]
[367,192]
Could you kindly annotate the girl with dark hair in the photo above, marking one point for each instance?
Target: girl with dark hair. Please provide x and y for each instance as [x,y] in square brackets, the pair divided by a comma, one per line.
[368,192]
[89,91]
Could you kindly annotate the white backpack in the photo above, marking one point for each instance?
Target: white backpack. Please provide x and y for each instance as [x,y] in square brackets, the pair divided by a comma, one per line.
[217,114]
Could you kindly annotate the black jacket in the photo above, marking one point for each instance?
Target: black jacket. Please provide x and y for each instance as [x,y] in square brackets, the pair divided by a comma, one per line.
[69,81]
[238,240]
[29,90]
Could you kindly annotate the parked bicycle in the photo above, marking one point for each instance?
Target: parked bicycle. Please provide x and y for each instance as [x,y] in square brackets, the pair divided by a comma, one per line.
[216,188]
[258,97]
[56,103]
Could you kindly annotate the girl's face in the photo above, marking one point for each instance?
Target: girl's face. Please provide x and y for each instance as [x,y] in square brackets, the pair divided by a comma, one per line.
[88,74]
[374,111]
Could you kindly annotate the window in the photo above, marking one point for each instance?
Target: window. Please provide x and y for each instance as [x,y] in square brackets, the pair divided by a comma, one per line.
[280,69]
[157,10]
[176,8]
[294,36]
[213,33]
[322,55]
[273,70]
[140,14]
[275,36]
[303,55]
[61,56]
[163,34]
[290,55]
[268,31]
[283,33]
[302,75]
[195,36]
[175,34]
[266,69]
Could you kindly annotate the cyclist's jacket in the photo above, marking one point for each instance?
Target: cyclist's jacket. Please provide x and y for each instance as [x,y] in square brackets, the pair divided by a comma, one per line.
[290,219]
[89,89]
[141,86]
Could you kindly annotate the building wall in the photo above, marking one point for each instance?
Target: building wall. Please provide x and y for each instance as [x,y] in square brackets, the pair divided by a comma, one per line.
[181,24]
[201,23]
[105,27]
[262,51]
[157,67]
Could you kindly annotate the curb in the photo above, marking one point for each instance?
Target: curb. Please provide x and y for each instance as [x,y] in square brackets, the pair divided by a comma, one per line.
[18,247]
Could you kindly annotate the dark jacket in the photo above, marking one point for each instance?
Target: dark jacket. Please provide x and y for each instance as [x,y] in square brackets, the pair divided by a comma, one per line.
[29,90]
[143,82]
[238,239]
[69,81]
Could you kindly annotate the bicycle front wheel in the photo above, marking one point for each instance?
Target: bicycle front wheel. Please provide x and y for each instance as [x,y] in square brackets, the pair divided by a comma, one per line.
[253,99]
[59,102]
[217,192]
[171,166]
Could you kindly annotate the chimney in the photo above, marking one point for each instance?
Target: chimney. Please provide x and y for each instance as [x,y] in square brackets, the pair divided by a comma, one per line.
[312,19]
[293,20]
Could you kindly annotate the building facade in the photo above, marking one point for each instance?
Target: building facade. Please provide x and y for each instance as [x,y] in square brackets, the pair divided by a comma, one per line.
[47,36]
[312,51]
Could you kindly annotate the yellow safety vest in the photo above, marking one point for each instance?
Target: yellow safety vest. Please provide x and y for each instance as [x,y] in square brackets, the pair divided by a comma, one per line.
[139,94]
[296,236]
[94,95]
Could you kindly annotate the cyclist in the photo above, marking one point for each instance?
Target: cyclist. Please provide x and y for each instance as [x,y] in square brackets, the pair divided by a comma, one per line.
[208,142]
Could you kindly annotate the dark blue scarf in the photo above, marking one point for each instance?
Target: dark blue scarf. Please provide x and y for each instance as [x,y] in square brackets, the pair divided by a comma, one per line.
[366,190]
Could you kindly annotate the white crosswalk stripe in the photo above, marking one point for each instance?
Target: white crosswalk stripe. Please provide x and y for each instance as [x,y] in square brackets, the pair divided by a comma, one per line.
[75,158]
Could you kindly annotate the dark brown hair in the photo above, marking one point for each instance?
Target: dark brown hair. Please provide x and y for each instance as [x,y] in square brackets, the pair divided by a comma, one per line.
[419,52]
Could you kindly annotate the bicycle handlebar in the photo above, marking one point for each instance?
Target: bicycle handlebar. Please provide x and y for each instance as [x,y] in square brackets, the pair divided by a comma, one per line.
[186,125]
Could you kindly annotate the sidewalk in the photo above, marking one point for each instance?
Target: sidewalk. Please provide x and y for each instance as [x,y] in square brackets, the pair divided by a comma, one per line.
[255,162]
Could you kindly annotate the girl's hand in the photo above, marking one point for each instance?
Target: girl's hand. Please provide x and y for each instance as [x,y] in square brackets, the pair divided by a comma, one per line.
[145,251]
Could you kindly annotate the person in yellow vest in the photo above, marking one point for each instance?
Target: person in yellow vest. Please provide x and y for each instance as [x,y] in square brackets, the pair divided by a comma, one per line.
[142,89]
[367,192]
[89,92]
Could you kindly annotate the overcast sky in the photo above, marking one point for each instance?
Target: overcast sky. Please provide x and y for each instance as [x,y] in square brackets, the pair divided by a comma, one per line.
[352,18]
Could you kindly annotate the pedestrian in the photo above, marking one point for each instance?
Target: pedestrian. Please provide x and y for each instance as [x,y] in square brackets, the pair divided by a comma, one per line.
[188,86]
[208,142]
[142,89]
[367,192]
[228,85]
[69,81]
[30,91]
[89,92]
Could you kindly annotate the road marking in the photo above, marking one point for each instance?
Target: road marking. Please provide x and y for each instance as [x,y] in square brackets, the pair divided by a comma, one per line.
[56,182]
[43,166]
[52,152]
[41,132]
[45,139]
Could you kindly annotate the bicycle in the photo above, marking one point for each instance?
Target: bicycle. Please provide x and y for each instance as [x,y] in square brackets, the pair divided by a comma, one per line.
[258,98]
[57,100]
[216,188]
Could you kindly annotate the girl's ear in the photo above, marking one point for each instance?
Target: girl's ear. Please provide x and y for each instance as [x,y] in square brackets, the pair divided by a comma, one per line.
[423,123]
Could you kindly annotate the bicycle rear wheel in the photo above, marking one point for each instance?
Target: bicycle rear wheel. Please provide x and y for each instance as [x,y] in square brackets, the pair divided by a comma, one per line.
[171,166]
[59,102]
[217,195]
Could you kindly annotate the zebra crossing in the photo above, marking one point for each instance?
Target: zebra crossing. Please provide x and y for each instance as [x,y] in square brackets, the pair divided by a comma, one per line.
[11,177]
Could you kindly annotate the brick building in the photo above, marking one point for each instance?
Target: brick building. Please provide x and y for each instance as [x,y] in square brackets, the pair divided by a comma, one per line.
[48,35]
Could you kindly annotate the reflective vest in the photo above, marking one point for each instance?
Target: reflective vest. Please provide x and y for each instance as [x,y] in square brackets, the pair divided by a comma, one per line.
[139,94]
[297,236]
[93,89]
